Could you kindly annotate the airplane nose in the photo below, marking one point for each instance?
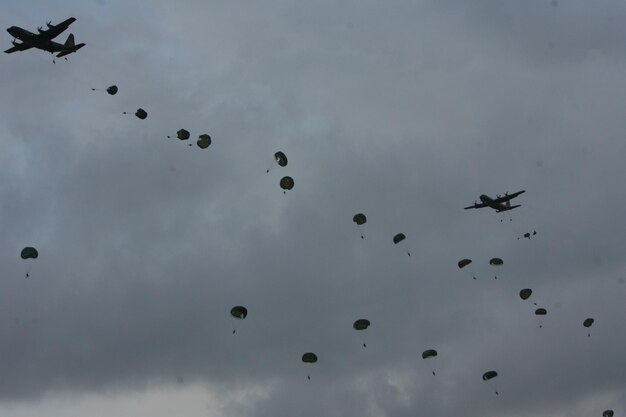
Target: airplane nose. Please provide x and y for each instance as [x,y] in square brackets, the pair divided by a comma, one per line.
[11,30]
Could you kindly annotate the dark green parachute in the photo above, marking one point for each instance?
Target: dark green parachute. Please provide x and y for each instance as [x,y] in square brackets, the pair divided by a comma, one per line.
[587,323]
[29,253]
[430,353]
[496,263]
[309,357]
[281,158]
[359,218]
[541,312]
[361,324]
[286,183]
[464,262]
[607,413]
[140,113]
[204,141]
[399,238]
[182,134]
[239,312]
[525,293]
[112,90]
[489,375]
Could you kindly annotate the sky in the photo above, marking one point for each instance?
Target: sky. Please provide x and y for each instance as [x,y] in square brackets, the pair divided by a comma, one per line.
[406,111]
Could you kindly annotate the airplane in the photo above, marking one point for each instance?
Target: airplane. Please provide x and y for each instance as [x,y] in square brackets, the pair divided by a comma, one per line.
[43,40]
[499,204]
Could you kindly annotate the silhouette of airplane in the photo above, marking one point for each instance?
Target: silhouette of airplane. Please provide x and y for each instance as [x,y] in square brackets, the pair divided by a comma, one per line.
[43,40]
[499,204]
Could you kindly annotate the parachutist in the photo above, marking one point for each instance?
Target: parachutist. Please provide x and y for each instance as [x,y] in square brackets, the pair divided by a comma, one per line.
[433,372]
[364,345]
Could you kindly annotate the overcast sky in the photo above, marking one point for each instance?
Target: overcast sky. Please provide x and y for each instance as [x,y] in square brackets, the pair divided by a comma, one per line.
[406,111]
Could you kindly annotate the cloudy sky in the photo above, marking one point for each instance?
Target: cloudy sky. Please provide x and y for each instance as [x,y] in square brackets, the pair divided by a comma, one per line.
[406,111]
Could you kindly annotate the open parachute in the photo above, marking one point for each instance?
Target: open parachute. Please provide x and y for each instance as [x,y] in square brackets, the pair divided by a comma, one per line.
[429,353]
[286,183]
[360,219]
[29,253]
[239,313]
[309,357]
[360,325]
[204,141]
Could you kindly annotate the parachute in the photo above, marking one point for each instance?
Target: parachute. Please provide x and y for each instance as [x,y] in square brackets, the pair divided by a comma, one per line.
[112,90]
[489,375]
[360,325]
[286,183]
[29,253]
[204,141]
[281,158]
[360,220]
[239,313]
[429,353]
[464,262]
[525,293]
[587,323]
[140,113]
[399,238]
[182,134]
[541,312]
[496,262]
[607,413]
[309,357]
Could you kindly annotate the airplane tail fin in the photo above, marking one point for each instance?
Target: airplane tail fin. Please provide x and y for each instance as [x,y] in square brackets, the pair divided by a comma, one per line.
[70,40]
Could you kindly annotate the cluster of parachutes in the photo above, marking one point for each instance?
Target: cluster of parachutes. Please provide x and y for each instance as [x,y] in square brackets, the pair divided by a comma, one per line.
[494,262]
[203,141]
[286,182]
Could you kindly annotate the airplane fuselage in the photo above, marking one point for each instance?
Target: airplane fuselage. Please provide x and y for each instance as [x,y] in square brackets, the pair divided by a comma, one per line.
[493,204]
[36,41]
[43,39]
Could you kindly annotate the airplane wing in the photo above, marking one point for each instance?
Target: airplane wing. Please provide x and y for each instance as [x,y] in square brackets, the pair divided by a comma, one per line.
[475,206]
[17,47]
[508,197]
[55,30]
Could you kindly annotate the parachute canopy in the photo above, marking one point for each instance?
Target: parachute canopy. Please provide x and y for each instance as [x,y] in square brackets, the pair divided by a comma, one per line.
[281,158]
[525,293]
[112,90]
[29,253]
[496,261]
[309,357]
[430,353]
[182,134]
[204,141]
[286,183]
[361,324]
[588,322]
[399,238]
[489,375]
[541,312]
[464,262]
[239,312]
[141,113]
[359,218]
[607,413]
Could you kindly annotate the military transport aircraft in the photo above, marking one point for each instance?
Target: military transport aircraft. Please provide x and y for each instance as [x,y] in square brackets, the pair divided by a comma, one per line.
[43,40]
[499,204]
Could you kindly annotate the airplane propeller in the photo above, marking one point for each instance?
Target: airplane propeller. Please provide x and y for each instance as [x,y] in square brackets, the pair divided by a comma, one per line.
[39,29]
[49,24]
